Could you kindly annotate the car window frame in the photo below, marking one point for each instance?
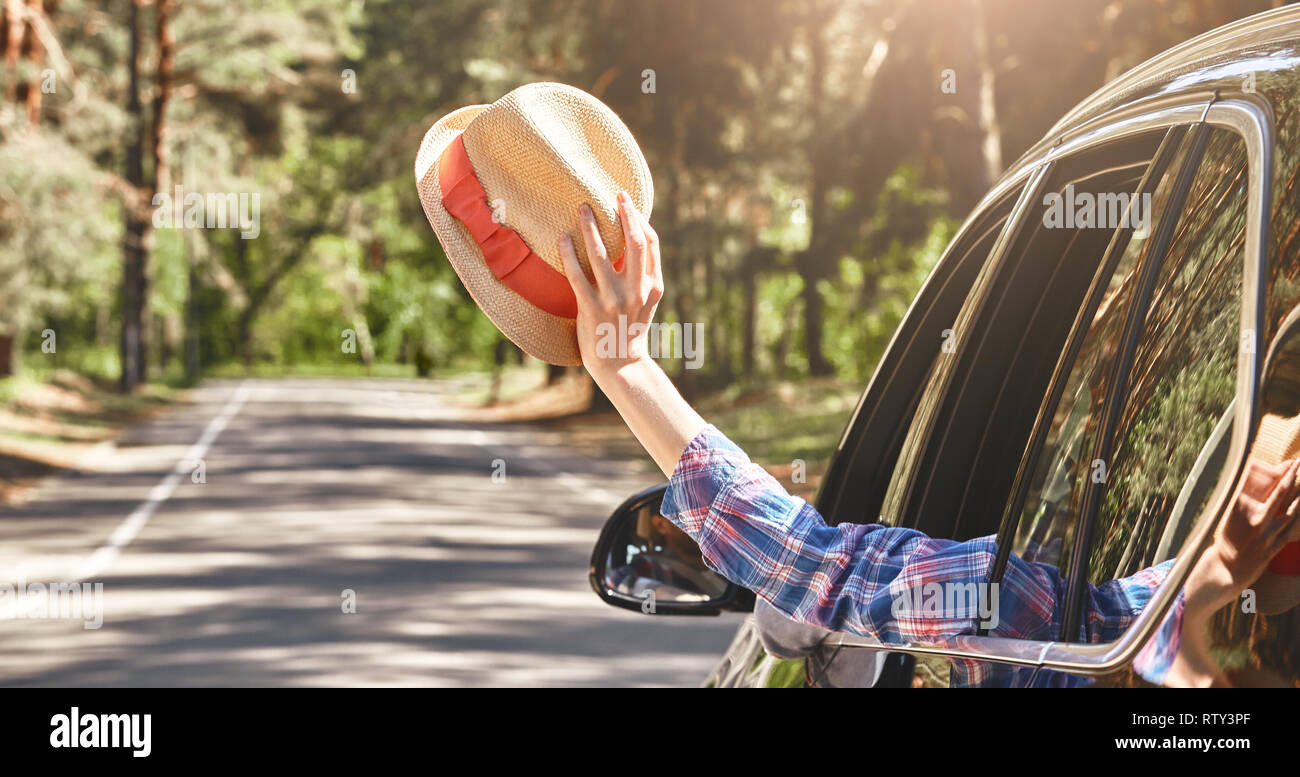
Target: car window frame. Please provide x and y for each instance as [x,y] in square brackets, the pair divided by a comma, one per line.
[1252,119]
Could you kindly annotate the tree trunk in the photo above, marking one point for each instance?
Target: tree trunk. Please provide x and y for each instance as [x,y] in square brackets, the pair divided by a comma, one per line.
[13,42]
[498,368]
[35,58]
[135,250]
[784,345]
[244,337]
[991,145]
[138,238]
[166,9]
[812,261]
[813,310]
[749,322]
[8,343]
[191,322]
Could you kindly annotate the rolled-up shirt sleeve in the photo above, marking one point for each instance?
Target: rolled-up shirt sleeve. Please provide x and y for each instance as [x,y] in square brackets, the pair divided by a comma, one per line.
[1157,656]
[850,577]
[875,580]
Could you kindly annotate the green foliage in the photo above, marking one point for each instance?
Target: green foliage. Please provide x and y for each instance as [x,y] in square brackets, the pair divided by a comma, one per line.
[786,673]
[800,145]
[56,233]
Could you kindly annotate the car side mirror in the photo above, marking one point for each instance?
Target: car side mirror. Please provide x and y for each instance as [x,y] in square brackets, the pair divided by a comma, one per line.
[643,562]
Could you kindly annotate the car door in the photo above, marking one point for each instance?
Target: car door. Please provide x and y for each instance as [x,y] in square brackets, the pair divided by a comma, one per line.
[1079,320]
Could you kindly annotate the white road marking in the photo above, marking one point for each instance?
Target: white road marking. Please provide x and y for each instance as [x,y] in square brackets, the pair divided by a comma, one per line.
[126,531]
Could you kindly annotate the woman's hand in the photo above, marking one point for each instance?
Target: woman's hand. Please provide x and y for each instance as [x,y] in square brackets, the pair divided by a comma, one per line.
[1265,516]
[1262,521]
[614,315]
[613,334]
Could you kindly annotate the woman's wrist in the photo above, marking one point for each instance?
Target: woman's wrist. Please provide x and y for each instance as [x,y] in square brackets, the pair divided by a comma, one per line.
[614,351]
[1194,667]
[650,404]
[604,370]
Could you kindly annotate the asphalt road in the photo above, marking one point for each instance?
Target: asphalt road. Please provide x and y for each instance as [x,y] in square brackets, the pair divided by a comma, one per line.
[315,488]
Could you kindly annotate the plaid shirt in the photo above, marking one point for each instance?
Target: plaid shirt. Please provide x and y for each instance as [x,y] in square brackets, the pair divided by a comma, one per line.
[852,577]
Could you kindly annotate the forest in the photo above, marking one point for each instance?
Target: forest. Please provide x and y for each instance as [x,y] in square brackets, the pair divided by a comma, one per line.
[190,188]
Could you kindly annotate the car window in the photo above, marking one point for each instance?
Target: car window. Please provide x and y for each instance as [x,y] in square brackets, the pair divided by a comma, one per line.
[855,485]
[961,456]
[1178,402]
[1048,512]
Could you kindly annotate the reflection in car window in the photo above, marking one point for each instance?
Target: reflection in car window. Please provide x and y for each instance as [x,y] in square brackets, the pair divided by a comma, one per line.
[1183,377]
[1048,517]
[974,421]
[1257,648]
[1283,92]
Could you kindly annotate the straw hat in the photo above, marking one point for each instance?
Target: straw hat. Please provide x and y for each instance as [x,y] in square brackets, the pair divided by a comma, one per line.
[1278,440]
[501,182]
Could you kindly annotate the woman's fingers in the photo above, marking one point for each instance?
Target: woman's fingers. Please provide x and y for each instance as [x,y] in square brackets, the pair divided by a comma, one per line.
[1261,477]
[1282,494]
[640,281]
[573,271]
[652,250]
[634,239]
[1293,533]
[1287,486]
[600,265]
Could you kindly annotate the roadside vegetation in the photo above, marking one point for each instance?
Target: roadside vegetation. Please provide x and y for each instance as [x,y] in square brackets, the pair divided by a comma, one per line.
[50,423]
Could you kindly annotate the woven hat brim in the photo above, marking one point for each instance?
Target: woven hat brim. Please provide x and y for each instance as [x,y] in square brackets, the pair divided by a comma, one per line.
[539,334]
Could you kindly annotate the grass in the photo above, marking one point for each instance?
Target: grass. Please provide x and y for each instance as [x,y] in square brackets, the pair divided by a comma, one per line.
[782,422]
[49,421]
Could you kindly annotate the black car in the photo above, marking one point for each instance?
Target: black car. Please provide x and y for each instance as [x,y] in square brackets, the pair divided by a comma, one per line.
[1084,372]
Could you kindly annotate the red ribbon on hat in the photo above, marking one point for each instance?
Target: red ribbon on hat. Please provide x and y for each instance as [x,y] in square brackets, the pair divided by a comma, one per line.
[506,253]
[1287,560]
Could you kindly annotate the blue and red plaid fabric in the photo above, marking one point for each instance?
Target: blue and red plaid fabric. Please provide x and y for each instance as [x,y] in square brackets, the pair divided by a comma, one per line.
[851,577]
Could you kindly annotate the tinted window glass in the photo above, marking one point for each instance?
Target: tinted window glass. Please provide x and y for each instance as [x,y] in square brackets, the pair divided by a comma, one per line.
[973,425]
[1259,648]
[1051,508]
[1282,89]
[1181,385]
[963,261]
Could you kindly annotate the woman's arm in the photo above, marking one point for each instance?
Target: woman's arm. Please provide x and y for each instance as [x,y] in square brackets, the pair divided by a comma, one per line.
[748,527]
[624,301]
